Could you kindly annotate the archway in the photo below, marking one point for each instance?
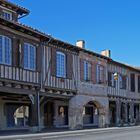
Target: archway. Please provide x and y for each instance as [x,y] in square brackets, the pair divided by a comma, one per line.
[76,108]
[91,114]
[17,115]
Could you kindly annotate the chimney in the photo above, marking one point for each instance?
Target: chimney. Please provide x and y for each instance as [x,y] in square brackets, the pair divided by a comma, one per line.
[106,53]
[80,44]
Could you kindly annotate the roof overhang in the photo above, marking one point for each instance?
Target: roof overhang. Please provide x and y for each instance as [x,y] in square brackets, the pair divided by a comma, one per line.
[14,7]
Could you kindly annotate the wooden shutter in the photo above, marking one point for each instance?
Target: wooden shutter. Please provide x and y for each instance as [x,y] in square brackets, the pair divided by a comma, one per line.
[69,65]
[53,61]
[38,58]
[21,48]
[15,52]
[81,69]
[109,79]
[0,11]
[14,16]
[103,79]
[94,72]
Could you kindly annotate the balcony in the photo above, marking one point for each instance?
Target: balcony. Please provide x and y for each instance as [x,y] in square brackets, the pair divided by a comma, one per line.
[18,74]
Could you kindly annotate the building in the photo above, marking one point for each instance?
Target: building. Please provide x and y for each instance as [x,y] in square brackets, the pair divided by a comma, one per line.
[47,83]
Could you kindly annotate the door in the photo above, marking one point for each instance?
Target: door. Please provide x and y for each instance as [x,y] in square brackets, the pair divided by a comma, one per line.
[48,114]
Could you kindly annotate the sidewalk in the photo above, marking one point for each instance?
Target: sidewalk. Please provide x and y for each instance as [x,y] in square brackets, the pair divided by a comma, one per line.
[61,132]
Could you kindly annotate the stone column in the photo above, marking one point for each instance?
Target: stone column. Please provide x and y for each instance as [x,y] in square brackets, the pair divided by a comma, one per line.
[118,112]
[131,112]
[102,118]
[126,113]
[75,118]
[139,113]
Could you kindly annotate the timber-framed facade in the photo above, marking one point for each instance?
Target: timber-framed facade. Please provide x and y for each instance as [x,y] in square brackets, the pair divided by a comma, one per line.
[47,83]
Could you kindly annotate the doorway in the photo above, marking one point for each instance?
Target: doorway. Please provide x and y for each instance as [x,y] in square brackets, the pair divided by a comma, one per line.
[48,114]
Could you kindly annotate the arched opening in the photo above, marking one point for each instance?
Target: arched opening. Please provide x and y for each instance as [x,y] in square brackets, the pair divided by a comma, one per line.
[87,111]
[17,115]
[21,116]
[91,114]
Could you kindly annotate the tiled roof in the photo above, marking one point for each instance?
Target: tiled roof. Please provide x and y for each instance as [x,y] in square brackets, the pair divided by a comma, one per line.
[14,6]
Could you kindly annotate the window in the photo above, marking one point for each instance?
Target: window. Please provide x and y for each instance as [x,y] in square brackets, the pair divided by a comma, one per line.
[100,74]
[139,84]
[29,56]
[123,80]
[60,64]
[87,71]
[7,15]
[132,76]
[111,80]
[5,50]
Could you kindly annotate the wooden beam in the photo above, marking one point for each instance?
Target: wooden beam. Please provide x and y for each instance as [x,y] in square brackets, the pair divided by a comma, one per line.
[16,91]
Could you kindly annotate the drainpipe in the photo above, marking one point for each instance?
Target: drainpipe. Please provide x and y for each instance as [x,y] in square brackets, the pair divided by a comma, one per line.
[41,79]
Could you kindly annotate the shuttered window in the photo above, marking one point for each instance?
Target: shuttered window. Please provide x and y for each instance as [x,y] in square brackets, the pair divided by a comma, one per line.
[7,15]
[139,84]
[29,56]
[5,50]
[100,74]
[132,76]
[60,64]
[111,80]
[122,80]
[87,71]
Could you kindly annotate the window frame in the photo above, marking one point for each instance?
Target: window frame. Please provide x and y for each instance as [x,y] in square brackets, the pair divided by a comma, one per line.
[122,82]
[100,74]
[4,50]
[7,12]
[60,73]
[29,46]
[87,71]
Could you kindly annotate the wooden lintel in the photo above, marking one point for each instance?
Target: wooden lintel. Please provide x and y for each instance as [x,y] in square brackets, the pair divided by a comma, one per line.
[19,91]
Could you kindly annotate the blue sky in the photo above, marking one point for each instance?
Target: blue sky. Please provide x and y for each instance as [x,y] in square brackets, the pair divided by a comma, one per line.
[103,24]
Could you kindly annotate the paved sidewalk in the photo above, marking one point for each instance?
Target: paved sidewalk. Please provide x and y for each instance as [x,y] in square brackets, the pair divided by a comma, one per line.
[64,132]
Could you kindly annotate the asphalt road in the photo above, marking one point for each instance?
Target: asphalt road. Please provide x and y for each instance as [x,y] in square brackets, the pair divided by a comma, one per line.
[128,133]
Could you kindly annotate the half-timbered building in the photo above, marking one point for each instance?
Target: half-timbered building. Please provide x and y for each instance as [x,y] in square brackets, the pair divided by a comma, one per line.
[47,83]
[20,71]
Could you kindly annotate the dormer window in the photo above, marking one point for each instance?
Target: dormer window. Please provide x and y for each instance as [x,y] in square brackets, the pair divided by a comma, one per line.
[7,15]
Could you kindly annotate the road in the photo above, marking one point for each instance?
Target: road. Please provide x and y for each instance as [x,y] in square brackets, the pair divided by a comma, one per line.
[127,133]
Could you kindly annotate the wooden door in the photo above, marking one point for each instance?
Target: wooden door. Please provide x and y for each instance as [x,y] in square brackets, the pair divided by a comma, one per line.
[48,114]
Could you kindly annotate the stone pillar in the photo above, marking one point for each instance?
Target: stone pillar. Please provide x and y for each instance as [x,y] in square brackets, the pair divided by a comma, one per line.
[139,113]
[126,113]
[118,112]
[75,118]
[131,112]
[102,118]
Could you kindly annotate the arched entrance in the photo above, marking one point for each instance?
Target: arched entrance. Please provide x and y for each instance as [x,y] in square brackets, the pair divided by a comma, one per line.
[17,115]
[77,106]
[90,114]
